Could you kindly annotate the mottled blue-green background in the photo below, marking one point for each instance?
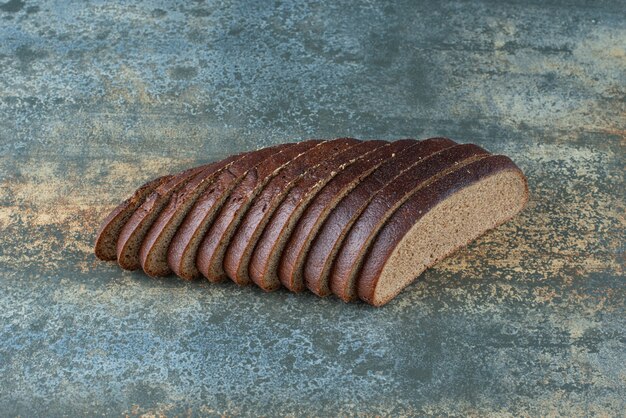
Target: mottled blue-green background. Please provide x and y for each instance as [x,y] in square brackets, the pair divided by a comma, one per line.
[98,96]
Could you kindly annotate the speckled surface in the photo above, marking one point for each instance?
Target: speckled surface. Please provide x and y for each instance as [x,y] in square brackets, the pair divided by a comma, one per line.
[97,97]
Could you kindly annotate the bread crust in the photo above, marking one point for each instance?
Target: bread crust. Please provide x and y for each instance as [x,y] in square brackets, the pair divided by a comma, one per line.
[387,200]
[255,218]
[210,258]
[263,261]
[420,203]
[135,229]
[153,251]
[110,228]
[181,254]
[327,242]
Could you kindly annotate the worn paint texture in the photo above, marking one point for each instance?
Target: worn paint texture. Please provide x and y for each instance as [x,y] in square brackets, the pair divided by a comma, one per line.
[97,97]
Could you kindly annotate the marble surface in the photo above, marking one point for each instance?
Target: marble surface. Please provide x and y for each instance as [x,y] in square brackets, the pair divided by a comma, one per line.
[96,97]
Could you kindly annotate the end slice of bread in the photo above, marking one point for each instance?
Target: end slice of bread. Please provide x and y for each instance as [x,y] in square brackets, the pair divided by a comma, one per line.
[438,220]
[110,228]
[349,256]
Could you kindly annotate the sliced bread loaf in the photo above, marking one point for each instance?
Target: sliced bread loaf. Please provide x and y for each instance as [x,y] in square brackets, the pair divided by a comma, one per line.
[348,259]
[132,234]
[291,265]
[437,220]
[153,251]
[358,219]
[181,255]
[253,221]
[110,228]
[210,259]
[263,262]
[330,236]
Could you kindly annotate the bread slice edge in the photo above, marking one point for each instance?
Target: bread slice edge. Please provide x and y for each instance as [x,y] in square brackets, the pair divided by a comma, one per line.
[110,228]
[439,220]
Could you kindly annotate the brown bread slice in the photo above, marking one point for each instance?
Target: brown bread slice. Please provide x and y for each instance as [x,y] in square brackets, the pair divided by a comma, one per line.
[181,255]
[348,259]
[210,258]
[141,220]
[153,251]
[110,228]
[254,220]
[263,262]
[327,242]
[291,265]
[439,219]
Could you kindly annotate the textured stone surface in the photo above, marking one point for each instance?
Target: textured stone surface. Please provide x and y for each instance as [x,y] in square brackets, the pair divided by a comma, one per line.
[97,97]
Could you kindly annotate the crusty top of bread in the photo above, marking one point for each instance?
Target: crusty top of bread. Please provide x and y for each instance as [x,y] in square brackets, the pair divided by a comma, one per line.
[153,251]
[328,240]
[254,219]
[291,264]
[182,252]
[210,255]
[263,262]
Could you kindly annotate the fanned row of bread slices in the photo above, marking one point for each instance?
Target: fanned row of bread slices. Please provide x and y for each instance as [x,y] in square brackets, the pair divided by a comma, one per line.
[358,219]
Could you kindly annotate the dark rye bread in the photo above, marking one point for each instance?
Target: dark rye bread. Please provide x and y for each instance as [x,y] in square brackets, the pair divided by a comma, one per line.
[262,264]
[328,240]
[291,265]
[236,258]
[181,255]
[210,258]
[110,228]
[356,242]
[132,234]
[153,251]
[361,220]
[438,220]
